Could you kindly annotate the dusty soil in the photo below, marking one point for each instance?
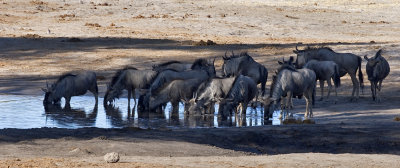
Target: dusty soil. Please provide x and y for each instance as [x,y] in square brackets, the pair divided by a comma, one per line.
[40,40]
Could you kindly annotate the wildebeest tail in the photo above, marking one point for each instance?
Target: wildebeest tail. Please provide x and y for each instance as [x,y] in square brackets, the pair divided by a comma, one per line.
[360,75]
[313,94]
[336,77]
[105,98]
[264,77]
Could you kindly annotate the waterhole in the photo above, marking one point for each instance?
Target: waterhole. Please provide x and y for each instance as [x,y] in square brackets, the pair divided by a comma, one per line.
[28,112]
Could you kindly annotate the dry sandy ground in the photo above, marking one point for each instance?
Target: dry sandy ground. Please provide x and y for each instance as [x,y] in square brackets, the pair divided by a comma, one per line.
[36,45]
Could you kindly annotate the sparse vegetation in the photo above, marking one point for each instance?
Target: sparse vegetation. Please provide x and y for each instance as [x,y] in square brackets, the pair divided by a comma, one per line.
[92,24]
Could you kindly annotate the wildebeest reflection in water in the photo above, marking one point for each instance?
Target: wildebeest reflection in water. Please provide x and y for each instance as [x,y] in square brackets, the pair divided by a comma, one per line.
[68,116]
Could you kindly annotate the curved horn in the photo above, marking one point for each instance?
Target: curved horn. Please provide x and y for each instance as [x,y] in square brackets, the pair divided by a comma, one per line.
[225,55]
[296,47]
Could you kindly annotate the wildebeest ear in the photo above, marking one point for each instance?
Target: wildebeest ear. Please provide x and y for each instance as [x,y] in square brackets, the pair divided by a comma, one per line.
[378,54]
[365,57]
[296,52]
[280,63]
[44,90]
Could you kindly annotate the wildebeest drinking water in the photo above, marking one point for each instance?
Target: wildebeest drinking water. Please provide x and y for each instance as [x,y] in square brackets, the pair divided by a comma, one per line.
[377,69]
[243,90]
[347,62]
[69,85]
[130,79]
[244,64]
[325,71]
[290,82]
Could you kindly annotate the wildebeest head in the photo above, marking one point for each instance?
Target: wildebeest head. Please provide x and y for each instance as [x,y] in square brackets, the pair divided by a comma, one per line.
[302,56]
[49,96]
[287,64]
[111,94]
[230,65]
[197,106]
[269,106]
[373,61]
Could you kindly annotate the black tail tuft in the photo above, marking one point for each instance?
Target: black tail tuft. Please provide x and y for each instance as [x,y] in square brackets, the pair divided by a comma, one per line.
[336,77]
[360,75]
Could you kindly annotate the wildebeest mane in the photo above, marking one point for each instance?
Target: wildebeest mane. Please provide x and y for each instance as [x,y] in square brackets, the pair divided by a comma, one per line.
[64,76]
[316,48]
[205,84]
[119,73]
[199,62]
[233,86]
[167,63]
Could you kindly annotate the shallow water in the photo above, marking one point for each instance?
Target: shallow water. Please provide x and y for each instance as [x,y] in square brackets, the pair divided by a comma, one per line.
[28,112]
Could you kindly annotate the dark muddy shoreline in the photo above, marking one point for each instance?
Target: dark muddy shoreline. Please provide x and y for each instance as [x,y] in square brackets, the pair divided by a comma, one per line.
[335,139]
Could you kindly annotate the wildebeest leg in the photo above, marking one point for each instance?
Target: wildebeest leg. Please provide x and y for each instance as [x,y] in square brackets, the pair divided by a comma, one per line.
[378,94]
[356,87]
[308,98]
[175,107]
[129,97]
[335,92]
[373,90]
[288,103]
[244,108]
[329,87]
[134,97]
[67,102]
[321,85]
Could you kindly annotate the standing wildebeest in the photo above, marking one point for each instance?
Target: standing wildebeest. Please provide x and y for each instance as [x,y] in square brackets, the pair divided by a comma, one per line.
[325,70]
[130,79]
[174,65]
[69,85]
[377,69]
[244,64]
[174,92]
[347,62]
[209,92]
[243,90]
[290,82]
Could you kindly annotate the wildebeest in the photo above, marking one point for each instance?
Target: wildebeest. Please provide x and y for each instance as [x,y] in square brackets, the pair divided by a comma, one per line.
[69,85]
[173,65]
[243,90]
[211,91]
[244,64]
[175,92]
[347,62]
[201,68]
[130,79]
[377,69]
[290,82]
[325,71]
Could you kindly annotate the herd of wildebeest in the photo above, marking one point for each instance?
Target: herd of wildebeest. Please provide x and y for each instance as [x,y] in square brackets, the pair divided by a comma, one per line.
[197,86]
